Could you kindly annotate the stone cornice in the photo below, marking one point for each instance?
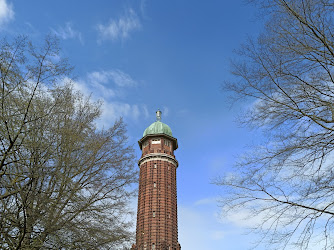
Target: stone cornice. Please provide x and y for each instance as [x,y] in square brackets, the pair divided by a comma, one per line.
[158,156]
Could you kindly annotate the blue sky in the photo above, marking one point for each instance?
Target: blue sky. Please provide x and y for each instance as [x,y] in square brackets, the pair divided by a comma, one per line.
[141,55]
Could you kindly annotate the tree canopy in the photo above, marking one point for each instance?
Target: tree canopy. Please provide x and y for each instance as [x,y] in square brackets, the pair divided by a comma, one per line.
[63,183]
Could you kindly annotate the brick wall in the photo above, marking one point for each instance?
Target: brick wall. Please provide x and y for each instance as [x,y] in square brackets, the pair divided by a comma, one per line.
[157,199]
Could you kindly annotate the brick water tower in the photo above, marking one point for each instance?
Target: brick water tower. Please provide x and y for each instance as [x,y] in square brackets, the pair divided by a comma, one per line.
[157,199]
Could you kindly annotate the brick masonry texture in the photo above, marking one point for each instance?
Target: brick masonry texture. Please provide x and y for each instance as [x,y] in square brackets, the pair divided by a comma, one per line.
[157,199]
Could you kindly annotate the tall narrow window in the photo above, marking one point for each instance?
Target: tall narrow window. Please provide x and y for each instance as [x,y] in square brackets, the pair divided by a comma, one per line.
[167,143]
[153,214]
[153,246]
[154,184]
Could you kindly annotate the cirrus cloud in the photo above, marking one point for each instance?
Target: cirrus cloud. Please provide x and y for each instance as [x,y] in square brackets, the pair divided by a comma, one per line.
[120,78]
[119,29]
[68,32]
[106,86]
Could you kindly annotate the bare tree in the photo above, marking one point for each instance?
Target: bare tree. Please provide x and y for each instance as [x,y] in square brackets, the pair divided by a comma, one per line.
[64,184]
[287,73]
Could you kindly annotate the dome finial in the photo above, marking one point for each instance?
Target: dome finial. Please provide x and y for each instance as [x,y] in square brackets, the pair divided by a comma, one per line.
[158,113]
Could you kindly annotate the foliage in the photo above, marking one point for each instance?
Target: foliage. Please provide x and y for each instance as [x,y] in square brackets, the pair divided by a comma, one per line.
[63,183]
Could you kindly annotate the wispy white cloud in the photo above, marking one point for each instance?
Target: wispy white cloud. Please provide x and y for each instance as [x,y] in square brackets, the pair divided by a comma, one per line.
[96,91]
[248,220]
[165,111]
[6,12]
[201,221]
[218,235]
[246,216]
[143,7]
[98,85]
[202,225]
[206,201]
[242,218]
[119,29]
[145,111]
[98,82]
[118,77]
[68,32]
[111,111]
[30,29]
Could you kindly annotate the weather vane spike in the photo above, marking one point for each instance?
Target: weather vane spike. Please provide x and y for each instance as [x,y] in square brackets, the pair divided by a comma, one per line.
[158,115]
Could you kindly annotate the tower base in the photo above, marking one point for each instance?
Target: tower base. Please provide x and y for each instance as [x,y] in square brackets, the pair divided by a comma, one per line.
[134,247]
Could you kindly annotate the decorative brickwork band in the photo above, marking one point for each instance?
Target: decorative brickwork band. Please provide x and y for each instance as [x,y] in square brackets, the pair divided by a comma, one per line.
[158,156]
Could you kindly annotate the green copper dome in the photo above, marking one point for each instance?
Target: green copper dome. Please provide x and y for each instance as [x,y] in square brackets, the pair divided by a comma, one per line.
[158,127]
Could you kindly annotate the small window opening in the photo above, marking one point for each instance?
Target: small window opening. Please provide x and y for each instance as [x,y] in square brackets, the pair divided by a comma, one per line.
[145,144]
[167,143]
[156,141]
